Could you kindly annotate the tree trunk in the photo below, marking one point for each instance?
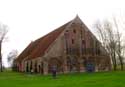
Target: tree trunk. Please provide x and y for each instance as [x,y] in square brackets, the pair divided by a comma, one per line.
[121,63]
[0,58]
[114,62]
[114,65]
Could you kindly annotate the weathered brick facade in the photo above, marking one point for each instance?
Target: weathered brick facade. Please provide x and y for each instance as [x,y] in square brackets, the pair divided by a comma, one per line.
[72,48]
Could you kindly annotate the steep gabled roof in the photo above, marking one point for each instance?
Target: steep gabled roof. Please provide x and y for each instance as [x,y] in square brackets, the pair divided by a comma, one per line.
[45,42]
[38,47]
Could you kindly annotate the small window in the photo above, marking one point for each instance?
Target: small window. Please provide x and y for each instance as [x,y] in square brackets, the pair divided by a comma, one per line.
[72,41]
[83,41]
[74,31]
[66,30]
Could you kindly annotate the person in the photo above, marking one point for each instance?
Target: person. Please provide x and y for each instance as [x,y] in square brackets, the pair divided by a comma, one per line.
[54,71]
[90,67]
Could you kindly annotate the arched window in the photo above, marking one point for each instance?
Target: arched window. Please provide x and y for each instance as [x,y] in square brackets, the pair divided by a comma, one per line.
[72,64]
[35,66]
[27,70]
[41,71]
[30,65]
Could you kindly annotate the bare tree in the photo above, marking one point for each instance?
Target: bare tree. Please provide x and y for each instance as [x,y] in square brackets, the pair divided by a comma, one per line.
[106,36]
[11,56]
[119,45]
[111,39]
[3,32]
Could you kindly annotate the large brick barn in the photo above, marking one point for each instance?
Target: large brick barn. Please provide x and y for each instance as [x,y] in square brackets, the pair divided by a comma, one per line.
[71,47]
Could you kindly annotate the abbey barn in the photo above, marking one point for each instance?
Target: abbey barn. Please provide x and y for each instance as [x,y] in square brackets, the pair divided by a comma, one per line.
[71,47]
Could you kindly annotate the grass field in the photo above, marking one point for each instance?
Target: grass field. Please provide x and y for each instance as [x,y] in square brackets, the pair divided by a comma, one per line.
[102,79]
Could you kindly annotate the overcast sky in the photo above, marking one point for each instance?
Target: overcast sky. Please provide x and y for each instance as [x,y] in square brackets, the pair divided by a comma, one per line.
[28,20]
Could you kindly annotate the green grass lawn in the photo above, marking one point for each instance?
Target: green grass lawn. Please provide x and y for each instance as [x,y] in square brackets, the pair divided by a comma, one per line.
[102,79]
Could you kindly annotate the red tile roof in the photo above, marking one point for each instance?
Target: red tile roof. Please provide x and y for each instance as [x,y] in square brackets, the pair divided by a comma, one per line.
[38,47]
[26,52]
